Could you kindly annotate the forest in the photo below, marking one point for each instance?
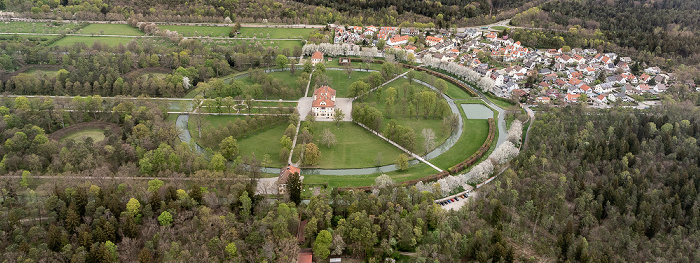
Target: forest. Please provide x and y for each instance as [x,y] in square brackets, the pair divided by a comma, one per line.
[604,186]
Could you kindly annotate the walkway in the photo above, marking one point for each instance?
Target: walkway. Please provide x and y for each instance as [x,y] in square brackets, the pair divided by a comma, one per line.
[401,148]
[296,134]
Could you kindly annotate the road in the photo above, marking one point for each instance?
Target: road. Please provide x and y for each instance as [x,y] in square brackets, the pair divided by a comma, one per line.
[18,19]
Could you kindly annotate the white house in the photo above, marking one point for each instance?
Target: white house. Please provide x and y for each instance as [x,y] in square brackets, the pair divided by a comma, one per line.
[323,105]
[316,57]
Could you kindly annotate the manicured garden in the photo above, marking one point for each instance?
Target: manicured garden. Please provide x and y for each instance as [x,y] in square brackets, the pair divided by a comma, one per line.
[111,29]
[355,148]
[110,41]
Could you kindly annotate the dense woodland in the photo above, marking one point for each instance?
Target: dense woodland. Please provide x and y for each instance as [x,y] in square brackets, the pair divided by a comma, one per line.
[439,13]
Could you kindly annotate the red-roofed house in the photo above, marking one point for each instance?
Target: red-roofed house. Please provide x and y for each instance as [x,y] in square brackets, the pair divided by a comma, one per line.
[284,176]
[305,257]
[572,97]
[397,40]
[492,35]
[431,40]
[316,57]
[323,105]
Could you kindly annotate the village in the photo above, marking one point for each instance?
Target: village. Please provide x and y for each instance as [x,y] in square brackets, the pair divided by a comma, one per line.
[523,74]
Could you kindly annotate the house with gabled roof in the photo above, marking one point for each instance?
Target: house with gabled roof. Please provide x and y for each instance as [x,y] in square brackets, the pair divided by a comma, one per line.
[282,179]
[432,41]
[323,105]
[316,57]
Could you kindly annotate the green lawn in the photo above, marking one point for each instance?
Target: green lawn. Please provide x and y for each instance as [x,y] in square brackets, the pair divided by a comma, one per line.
[39,28]
[111,29]
[96,135]
[40,71]
[260,143]
[499,102]
[261,32]
[416,124]
[264,142]
[413,172]
[340,81]
[356,65]
[474,135]
[455,92]
[475,132]
[188,31]
[499,28]
[111,41]
[356,147]
[279,44]
[284,76]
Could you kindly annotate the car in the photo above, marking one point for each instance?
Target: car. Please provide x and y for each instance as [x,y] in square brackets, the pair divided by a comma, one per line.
[456,198]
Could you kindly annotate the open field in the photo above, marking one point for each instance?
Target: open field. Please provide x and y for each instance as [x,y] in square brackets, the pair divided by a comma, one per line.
[111,29]
[455,92]
[111,41]
[96,135]
[39,28]
[263,142]
[355,65]
[279,44]
[340,81]
[284,76]
[188,31]
[474,135]
[417,124]
[40,71]
[413,172]
[475,132]
[356,147]
[499,28]
[296,33]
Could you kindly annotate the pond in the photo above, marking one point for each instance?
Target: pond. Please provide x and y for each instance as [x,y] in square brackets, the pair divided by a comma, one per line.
[477,111]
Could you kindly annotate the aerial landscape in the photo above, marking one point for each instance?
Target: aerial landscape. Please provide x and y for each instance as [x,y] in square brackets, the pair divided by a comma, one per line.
[349,131]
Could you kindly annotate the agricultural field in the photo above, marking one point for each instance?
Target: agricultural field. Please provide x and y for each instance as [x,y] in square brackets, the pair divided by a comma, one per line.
[111,41]
[273,32]
[38,28]
[355,148]
[96,135]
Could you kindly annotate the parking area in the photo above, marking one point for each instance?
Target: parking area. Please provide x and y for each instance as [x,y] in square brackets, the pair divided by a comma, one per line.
[455,202]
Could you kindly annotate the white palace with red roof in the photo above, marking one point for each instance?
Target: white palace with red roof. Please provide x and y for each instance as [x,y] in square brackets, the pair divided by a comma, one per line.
[323,105]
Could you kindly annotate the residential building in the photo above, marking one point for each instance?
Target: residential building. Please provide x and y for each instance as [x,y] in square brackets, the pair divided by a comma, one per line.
[323,105]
